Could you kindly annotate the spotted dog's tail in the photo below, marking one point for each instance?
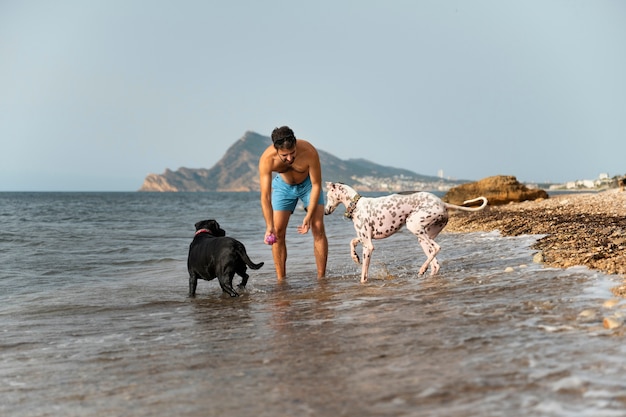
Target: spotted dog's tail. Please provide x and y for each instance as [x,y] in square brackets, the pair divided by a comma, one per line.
[482,206]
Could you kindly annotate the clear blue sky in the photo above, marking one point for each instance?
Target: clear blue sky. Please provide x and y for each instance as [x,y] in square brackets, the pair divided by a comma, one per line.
[94,95]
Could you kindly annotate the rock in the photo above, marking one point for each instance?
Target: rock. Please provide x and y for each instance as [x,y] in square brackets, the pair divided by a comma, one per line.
[569,384]
[154,182]
[500,189]
[619,291]
[610,303]
[538,258]
[612,322]
[587,316]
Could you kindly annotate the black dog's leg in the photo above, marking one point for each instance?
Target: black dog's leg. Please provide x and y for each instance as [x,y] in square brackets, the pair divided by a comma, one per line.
[193,283]
[227,285]
[244,280]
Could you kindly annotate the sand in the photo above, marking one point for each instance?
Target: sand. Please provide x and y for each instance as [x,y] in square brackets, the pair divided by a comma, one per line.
[579,229]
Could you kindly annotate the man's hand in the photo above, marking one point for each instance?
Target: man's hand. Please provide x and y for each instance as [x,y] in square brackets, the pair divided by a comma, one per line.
[270,236]
[304,227]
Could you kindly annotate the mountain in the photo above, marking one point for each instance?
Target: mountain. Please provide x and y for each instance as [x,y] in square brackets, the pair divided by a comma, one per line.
[238,171]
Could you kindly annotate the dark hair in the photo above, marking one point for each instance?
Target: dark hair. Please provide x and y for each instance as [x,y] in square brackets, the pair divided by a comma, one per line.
[283,138]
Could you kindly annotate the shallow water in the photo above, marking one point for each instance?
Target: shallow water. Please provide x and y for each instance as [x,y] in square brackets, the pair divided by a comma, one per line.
[96,320]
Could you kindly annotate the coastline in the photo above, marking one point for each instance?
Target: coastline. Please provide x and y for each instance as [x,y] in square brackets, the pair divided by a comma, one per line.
[586,229]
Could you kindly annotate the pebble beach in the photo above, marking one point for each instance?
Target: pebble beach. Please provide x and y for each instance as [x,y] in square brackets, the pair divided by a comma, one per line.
[586,229]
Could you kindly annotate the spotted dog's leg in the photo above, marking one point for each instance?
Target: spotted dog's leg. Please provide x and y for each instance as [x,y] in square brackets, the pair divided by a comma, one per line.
[426,225]
[434,266]
[431,249]
[355,256]
[432,232]
[368,248]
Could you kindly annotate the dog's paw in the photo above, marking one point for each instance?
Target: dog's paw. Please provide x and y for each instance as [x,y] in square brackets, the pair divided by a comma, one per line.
[230,292]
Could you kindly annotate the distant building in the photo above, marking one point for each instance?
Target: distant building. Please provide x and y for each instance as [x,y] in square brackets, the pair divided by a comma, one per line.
[602,181]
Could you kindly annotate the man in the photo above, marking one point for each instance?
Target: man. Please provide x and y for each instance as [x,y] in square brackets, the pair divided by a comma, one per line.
[299,178]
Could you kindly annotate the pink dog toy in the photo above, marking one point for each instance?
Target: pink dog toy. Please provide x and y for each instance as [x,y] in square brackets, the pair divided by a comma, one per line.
[270,239]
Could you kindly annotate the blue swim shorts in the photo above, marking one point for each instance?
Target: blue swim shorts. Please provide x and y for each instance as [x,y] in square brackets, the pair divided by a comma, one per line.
[285,196]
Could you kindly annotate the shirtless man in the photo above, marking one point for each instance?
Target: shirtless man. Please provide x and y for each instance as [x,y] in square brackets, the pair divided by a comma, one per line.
[299,177]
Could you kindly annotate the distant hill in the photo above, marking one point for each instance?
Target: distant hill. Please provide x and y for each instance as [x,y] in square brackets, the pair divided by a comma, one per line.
[238,171]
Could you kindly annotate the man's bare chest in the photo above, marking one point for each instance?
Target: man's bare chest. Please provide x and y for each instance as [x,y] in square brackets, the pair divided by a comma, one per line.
[293,174]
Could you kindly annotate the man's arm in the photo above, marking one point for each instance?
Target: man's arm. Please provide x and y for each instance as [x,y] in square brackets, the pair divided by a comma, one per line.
[265,182]
[315,174]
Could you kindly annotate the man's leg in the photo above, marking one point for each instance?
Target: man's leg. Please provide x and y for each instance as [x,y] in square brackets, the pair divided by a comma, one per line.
[279,249]
[320,242]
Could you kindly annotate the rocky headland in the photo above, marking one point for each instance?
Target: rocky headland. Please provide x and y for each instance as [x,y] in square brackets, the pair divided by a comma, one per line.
[237,170]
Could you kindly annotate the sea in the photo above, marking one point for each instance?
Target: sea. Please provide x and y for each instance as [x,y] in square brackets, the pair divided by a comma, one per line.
[96,321]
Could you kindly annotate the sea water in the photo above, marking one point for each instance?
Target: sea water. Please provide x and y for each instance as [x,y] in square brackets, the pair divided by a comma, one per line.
[95,320]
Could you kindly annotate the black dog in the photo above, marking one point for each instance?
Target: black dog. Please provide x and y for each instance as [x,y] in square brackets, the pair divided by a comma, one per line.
[211,255]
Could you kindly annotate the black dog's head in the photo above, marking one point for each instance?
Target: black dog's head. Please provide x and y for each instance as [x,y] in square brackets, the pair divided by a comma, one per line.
[211,226]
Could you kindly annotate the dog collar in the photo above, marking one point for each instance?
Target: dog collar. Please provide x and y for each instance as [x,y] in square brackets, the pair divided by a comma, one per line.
[202,231]
[352,206]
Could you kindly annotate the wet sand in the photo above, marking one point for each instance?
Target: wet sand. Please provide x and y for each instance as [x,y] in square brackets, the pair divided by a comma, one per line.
[580,229]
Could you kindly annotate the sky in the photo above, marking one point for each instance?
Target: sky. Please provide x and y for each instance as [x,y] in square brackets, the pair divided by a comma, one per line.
[97,94]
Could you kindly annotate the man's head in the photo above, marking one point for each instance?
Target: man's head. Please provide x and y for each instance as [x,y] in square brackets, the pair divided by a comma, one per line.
[285,144]
[283,138]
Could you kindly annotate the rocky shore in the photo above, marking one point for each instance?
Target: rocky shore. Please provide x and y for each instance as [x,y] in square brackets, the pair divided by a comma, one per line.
[578,229]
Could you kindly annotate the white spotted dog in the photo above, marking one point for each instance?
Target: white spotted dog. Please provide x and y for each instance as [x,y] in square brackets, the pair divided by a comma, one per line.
[424,214]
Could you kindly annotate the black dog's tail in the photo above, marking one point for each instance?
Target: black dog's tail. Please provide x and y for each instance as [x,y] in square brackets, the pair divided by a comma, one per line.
[244,255]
